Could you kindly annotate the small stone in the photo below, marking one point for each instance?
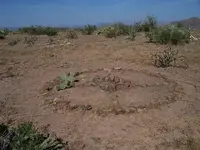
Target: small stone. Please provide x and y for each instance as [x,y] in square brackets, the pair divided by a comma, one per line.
[74,107]
[107,70]
[118,68]
[139,110]
[87,107]
[112,77]
[61,66]
[68,43]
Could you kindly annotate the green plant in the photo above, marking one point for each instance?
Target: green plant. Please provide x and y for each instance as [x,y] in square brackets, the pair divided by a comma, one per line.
[71,34]
[67,81]
[132,33]
[108,32]
[89,29]
[121,29]
[169,34]
[25,137]
[138,26]
[180,25]
[2,34]
[149,23]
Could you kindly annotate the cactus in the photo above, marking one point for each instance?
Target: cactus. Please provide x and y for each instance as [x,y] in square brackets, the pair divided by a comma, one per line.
[66,81]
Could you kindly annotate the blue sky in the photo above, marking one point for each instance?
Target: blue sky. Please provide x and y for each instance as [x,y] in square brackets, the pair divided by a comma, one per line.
[16,13]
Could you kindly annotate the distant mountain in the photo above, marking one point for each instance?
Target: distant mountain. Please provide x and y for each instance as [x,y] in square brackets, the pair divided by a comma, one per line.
[193,22]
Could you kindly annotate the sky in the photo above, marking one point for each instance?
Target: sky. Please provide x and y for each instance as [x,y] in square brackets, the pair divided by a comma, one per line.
[17,13]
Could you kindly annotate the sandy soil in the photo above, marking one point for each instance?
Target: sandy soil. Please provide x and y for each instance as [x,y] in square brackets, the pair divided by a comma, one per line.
[120,100]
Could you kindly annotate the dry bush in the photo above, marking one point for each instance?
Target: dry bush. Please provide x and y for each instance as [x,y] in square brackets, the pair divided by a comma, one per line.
[30,40]
[169,58]
[14,42]
[71,34]
[88,29]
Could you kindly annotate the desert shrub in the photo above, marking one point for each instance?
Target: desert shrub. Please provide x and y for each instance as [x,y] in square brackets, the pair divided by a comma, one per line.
[88,29]
[121,29]
[108,32]
[132,33]
[139,27]
[169,34]
[30,40]
[39,30]
[169,58]
[14,42]
[3,34]
[25,137]
[71,34]
[67,81]
[150,23]
[165,58]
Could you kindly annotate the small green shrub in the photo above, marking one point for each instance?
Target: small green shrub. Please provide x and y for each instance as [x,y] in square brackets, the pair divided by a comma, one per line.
[25,137]
[71,34]
[67,81]
[89,29]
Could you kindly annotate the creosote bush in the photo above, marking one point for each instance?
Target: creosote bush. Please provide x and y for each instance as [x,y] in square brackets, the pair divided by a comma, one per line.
[149,24]
[108,32]
[169,34]
[88,29]
[39,30]
[121,29]
[139,26]
[71,34]
[132,33]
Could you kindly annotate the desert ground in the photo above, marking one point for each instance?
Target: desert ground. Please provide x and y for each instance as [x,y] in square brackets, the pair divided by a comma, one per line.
[120,100]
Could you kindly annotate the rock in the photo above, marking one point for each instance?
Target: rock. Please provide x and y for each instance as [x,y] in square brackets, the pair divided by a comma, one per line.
[107,70]
[118,68]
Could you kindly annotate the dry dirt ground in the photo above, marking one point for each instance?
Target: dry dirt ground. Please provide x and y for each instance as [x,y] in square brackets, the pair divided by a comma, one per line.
[120,102]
